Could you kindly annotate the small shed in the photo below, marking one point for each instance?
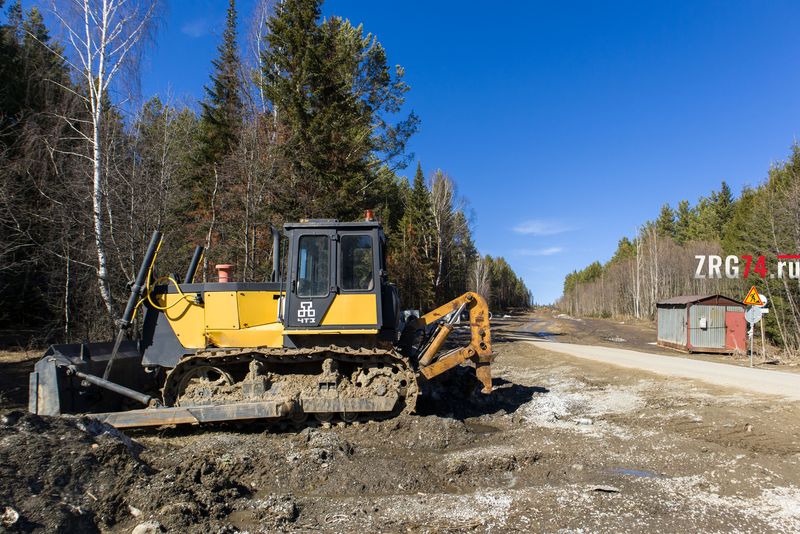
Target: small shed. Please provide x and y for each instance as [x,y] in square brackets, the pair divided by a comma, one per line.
[697,323]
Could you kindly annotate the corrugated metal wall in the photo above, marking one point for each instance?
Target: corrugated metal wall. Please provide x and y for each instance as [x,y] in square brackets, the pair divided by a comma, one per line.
[672,325]
[713,336]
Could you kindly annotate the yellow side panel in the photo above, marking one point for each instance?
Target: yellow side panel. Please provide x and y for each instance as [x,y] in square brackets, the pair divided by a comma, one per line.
[257,308]
[186,318]
[226,319]
[269,335]
[332,331]
[222,310]
[347,309]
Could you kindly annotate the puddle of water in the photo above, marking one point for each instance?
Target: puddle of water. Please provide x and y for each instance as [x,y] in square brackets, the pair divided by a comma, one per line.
[635,472]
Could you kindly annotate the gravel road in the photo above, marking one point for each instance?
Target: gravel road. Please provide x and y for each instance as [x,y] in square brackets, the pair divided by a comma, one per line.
[755,380]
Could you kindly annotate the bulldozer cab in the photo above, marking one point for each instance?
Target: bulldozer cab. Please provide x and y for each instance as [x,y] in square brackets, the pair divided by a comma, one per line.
[335,277]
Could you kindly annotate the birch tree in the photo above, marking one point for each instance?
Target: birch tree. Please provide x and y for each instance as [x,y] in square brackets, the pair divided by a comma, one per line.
[442,194]
[481,280]
[103,39]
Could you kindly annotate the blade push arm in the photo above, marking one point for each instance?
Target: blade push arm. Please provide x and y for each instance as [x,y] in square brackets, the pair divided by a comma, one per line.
[479,349]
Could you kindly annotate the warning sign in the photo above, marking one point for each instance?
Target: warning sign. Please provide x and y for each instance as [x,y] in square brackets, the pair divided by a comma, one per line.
[753,298]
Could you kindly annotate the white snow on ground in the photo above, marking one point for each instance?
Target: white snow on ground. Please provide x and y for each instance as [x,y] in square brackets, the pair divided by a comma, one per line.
[569,404]
[779,506]
[568,317]
[488,509]
[494,451]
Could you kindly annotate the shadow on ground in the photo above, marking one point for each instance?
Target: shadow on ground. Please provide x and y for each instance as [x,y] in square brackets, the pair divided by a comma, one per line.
[14,383]
[521,335]
[457,395]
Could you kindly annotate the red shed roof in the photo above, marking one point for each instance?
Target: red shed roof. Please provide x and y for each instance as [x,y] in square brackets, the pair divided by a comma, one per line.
[684,300]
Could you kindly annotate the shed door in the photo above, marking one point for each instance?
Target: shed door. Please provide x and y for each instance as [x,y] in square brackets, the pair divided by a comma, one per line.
[735,330]
[707,327]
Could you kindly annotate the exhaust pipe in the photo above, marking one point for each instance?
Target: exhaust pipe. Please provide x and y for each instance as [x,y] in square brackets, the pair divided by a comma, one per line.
[224,272]
[276,253]
[198,253]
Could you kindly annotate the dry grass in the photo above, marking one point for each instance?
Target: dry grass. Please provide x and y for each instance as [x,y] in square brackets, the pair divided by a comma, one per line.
[18,356]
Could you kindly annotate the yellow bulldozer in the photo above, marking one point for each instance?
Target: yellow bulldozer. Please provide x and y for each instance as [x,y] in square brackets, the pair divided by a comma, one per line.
[324,337]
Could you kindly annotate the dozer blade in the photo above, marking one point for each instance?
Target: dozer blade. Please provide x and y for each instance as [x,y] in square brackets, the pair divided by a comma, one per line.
[181,415]
[58,385]
[194,414]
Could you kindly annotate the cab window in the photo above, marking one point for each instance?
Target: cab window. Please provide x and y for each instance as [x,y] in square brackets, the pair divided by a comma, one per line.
[356,268]
[314,266]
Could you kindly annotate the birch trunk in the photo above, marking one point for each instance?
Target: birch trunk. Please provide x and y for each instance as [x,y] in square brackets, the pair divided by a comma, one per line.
[102,35]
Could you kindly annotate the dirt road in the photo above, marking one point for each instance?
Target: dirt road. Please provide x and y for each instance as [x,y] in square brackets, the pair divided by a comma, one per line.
[756,380]
[564,444]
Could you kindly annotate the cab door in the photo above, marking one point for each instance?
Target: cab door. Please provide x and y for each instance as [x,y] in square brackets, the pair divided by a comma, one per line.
[312,277]
[357,304]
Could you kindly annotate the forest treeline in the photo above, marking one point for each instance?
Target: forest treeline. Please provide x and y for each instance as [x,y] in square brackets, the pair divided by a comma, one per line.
[302,117]
[659,261]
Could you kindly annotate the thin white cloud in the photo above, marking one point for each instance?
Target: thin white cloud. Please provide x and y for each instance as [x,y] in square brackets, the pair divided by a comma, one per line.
[195,28]
[549,251]
[540,227]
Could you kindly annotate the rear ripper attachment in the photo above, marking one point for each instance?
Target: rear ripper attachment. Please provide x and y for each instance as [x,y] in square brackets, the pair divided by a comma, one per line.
[321,339]
[444,318]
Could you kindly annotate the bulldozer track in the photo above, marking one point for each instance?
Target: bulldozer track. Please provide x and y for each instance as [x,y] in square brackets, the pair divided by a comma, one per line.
[400,377]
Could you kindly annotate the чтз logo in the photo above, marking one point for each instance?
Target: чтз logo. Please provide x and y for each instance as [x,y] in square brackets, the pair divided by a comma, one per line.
[306,313]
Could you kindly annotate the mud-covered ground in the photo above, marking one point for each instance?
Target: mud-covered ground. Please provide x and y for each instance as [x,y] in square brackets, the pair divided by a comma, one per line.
[563,444]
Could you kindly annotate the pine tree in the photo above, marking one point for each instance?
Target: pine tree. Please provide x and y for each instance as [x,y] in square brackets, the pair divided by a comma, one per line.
[15,20]
[462,256]
[409,268]
[723,203]
[222,109]
[684,224]
[710,216]
[332,91]
[34,171]
[11,70]
[665,224]
[412,265]
[625,249]
[46,72]
[736,236]
[419,206]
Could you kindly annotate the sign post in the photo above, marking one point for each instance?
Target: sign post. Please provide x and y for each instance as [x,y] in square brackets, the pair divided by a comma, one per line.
[756,310]
[752,317]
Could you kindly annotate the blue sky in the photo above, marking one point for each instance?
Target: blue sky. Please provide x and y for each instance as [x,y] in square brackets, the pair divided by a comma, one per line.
[565,124]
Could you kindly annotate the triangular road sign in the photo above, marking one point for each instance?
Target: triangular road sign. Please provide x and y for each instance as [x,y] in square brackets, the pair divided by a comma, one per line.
[752,298]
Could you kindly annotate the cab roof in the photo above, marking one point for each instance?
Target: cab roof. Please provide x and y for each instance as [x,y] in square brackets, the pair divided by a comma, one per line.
[333,224]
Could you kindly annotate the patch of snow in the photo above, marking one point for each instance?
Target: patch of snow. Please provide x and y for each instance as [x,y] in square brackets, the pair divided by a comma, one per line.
[489,509]
[779,507]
